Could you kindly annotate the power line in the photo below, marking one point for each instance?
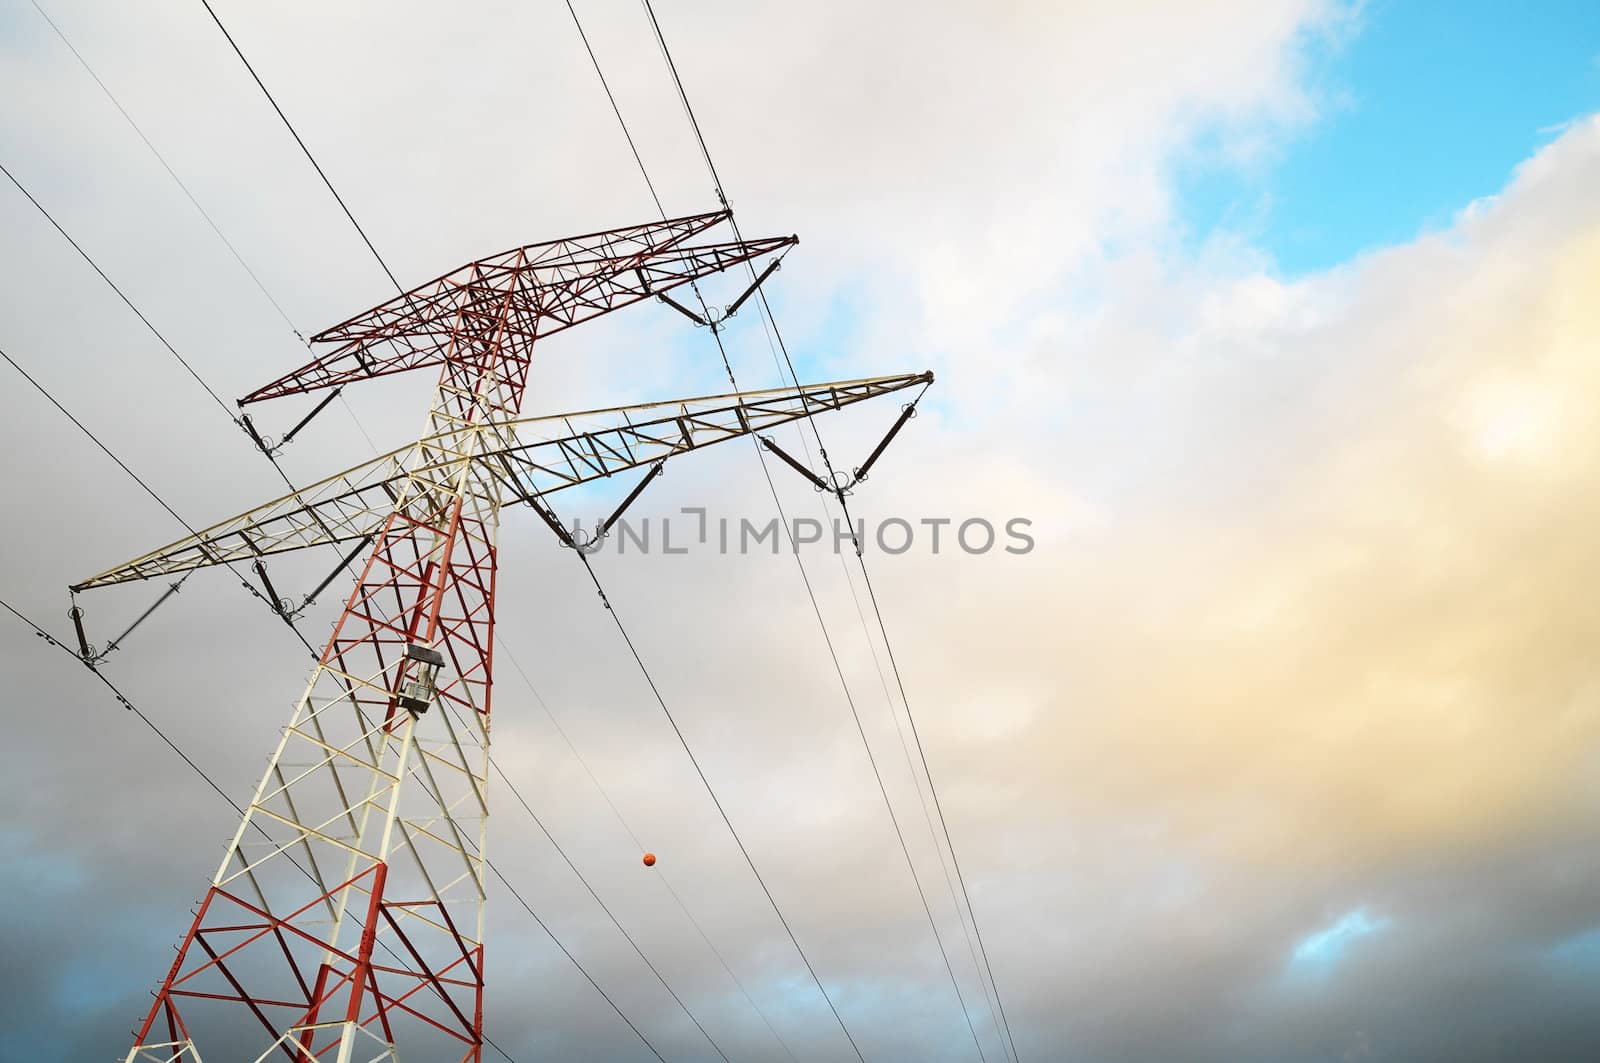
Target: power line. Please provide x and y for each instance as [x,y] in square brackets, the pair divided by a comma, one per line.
[145,320]
[772,488]
[810,592]
[309,157]
[855,714]
[916,783]
[615,109]
[164,164]
[683,96]
[191,370]
[141,482]
[659,875]
[771,318]
[153,330]
[190,196]
[620,1014]
[96,440]
[655,690]
[123,700]
[943,823]
[605,908]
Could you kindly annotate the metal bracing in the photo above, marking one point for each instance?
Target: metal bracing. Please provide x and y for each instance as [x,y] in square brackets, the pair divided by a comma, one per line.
[345,919]
[532,457]
[524,294]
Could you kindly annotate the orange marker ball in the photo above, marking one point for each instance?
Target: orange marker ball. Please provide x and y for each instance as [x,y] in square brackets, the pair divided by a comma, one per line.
[649,859]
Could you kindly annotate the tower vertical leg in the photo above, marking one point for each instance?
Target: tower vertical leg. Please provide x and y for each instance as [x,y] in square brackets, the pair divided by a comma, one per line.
[347,914]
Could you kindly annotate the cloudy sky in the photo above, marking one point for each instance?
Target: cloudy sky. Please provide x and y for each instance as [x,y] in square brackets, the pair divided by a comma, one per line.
[1277,321]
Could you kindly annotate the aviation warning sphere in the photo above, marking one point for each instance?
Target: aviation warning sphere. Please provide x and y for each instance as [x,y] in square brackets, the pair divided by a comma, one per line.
[649,859]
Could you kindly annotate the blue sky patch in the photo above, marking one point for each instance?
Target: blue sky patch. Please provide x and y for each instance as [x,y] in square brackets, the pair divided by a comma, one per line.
[1425,108]
[1322,950]
[1579,953]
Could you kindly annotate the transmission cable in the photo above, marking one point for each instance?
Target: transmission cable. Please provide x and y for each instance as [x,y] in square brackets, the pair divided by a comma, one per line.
[294,490]
[660,875]
[894,665]
[615,109]
[153,330]
[309,157]
[605,908]
[193,201]
[772,488]
[872,760]
[704,781]
[234,251]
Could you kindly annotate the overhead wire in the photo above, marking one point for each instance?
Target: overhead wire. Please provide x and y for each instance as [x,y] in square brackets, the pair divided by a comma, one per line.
[120,294]
[294,133]
[211,222]
[715,800]
[616,110]
[607,909]
[772,488]
[732,380]
[894,664]
[660,875]
[234,251]
[150,326]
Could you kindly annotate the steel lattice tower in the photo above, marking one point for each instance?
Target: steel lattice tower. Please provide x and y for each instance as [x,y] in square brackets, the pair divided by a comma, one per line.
[346,919]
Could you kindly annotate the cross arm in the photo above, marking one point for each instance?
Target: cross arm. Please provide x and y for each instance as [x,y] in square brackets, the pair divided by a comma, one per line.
[519,296]
[348,506]
[582,447]
[531,458]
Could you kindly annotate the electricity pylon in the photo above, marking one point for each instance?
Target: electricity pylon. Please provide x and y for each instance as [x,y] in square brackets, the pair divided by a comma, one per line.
[346,918]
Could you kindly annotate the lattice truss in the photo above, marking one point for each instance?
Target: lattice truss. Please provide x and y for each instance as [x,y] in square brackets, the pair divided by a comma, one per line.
[346,918]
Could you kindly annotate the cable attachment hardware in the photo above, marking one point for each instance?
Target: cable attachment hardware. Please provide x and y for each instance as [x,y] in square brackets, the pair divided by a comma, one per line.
[699,321]
[794,463]
[772,267]
[85,650]
[552,521]
[284,607]
[603,530]
[311,599]
[710,320]
[263,443]
[907,412]
[288,437]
